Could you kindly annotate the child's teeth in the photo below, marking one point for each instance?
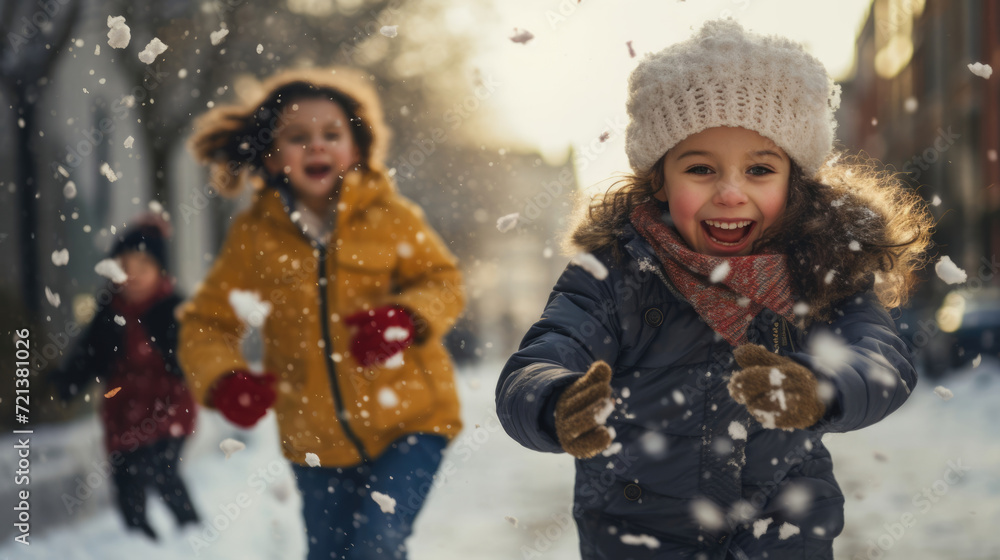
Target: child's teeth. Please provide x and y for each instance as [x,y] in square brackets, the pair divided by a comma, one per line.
[725,225]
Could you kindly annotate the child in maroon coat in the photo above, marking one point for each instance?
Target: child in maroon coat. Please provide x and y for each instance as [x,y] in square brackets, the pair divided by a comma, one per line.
[147,411]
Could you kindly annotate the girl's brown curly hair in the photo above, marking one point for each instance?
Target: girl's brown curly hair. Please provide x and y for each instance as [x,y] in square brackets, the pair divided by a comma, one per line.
[235,139]
[854,226]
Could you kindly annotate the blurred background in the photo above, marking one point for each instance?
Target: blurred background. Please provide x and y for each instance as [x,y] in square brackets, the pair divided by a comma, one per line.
[497,107]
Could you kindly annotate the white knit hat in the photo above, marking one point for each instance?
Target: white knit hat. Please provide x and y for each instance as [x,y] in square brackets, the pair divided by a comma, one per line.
[726,76]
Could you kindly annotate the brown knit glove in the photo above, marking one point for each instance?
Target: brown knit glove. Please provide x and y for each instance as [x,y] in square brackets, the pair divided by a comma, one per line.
[779,392]
[580,434]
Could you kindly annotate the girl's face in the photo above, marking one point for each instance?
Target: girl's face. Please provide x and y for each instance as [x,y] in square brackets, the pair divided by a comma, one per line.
[143,276]
[725,186]
[314,149]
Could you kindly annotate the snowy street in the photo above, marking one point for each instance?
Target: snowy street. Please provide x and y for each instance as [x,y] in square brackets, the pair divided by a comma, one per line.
[920,485]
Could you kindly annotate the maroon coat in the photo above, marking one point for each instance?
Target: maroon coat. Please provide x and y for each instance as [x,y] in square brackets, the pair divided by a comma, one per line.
[146,397]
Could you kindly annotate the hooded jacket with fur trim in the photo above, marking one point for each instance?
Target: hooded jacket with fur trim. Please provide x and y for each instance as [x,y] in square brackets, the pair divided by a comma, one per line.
[381,252]
[689,467]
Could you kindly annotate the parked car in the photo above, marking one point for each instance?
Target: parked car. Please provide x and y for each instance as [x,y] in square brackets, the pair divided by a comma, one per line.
[964,329]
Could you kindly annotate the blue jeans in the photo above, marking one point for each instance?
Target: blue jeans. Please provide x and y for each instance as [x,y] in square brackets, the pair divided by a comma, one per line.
[342,519]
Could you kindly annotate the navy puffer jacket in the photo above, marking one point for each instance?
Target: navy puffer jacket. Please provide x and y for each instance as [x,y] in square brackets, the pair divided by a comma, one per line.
[690,467]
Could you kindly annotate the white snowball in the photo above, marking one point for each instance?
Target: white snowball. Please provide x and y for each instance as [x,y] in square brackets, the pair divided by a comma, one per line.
[249,307]
[393,334]
[230,446]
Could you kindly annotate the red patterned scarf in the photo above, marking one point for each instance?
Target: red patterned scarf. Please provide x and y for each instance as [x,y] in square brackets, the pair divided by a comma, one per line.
[754,282]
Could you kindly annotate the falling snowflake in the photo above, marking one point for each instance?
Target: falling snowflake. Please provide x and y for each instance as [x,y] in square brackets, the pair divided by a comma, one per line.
[982,70]
[508,222]
[641,540]
[786,531]
[523,37]
[949,271]
[312,459]
[60,257]
[387,398]
[720,272]
[120,320]
[52,297]
[707,514]
[389,31]
[108,172]
[385,502]
[118,33]
[153,49]
[737,431]
[943,392]
[760,527]
[217,36]
[111,269]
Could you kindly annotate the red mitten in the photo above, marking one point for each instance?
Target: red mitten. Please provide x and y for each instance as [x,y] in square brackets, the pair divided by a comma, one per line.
[243,398]
[381,334]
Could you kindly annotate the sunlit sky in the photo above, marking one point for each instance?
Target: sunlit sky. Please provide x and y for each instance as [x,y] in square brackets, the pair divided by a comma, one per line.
[567,86]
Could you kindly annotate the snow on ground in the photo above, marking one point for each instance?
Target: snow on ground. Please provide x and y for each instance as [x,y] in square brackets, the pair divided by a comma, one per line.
[487,480]
[905,499]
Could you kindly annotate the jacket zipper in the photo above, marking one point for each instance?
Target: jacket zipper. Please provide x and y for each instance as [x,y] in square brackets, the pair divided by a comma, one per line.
[338,399]
[781,326]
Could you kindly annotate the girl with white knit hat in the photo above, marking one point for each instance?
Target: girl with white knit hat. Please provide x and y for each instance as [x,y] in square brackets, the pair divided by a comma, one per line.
[740,313]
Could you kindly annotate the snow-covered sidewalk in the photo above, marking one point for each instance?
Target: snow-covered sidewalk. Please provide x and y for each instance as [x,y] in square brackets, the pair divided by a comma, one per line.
[496,500]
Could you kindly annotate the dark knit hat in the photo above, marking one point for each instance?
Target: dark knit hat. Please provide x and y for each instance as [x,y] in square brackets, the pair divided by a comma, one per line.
[147,238]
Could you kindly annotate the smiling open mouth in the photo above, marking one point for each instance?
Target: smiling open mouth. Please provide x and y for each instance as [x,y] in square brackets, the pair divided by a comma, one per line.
[728,234]
[318,171]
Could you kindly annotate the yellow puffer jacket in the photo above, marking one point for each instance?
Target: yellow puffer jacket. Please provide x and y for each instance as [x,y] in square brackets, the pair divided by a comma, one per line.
[383,253]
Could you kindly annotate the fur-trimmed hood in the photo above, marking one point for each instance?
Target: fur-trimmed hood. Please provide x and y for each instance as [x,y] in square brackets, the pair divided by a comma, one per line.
[231,141]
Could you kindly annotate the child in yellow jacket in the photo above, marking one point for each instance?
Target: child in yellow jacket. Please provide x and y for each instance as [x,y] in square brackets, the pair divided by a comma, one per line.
[361,292]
